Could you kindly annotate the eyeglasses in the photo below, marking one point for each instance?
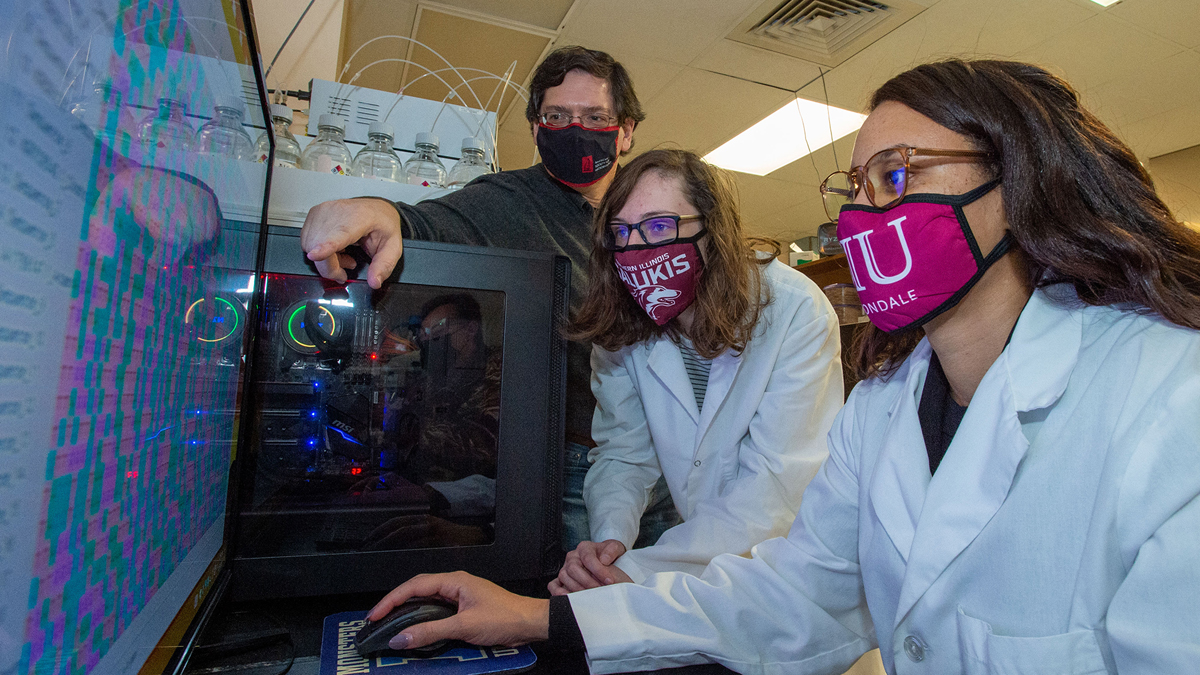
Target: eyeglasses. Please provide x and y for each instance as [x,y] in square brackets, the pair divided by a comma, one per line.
[441,328]
[884,176]
[592,120]
[655,231]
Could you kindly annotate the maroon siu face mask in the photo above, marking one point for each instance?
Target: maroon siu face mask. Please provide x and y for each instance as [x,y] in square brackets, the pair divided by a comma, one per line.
[662,278]
[916,259]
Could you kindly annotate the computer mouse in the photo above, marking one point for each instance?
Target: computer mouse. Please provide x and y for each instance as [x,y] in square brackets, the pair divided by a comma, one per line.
[374,636]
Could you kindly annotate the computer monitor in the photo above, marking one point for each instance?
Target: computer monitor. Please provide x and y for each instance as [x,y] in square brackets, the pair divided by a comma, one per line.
[127,261]
[417,428]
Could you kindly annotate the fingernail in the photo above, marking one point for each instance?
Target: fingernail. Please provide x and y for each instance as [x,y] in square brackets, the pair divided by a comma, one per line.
[401,641]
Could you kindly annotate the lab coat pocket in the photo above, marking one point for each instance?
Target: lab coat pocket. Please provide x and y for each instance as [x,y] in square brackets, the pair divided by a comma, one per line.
[985,653]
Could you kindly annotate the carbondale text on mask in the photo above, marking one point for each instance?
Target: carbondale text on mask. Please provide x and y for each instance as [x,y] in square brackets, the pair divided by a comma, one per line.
[654,271]
[888,303]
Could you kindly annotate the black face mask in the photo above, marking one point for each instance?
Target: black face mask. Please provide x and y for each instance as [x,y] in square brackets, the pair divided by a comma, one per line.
[577,157]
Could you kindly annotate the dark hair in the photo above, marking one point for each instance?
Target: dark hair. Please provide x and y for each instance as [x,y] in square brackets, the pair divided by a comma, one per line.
[729,293]
[1079,205]
[558,63]
[465,306]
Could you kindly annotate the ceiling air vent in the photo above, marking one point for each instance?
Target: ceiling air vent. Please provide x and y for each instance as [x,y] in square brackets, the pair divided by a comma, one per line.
[822,31]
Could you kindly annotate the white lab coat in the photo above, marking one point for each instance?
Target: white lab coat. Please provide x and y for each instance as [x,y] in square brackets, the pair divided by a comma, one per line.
[737,468]
[1061,533]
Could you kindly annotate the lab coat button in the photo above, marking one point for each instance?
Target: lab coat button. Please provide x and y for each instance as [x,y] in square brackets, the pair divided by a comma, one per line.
[697,462]
[914,649]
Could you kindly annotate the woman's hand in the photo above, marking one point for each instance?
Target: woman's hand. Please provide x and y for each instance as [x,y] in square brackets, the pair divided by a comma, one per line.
[590,565]
[487,614]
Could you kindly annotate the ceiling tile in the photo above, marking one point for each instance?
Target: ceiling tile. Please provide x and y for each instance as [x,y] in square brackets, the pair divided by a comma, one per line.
[313,50]
[467,43]
[547,14]
[996,29]
[677,32]
[788,224]
[1165,132]
[1100,50]
[1175,20]
[1171,83]
[700,110]
[756,64]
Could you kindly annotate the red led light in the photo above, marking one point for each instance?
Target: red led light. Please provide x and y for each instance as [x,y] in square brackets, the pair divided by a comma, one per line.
[374,355]
[354,471]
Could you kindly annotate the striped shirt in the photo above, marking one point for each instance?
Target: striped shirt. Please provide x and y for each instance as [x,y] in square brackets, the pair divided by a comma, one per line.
[697,368]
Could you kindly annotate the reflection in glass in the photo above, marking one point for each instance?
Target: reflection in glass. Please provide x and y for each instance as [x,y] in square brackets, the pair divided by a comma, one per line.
[223,134]
[167,129]
[124,274]
[379,420]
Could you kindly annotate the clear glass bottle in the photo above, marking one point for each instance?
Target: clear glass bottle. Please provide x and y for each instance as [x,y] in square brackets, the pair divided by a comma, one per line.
[471,166]
[377,159]
[424,167]
[328,152]
[167,129]
[99,108]
[287,150]
[223,134]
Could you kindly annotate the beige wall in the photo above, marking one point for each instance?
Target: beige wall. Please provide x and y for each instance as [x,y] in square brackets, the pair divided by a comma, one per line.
[1177,177]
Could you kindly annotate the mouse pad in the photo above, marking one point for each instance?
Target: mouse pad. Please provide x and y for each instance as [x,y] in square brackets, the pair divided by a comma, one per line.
[338,656]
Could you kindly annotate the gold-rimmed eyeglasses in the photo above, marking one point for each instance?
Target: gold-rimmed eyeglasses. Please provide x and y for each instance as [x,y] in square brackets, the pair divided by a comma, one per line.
[884,176]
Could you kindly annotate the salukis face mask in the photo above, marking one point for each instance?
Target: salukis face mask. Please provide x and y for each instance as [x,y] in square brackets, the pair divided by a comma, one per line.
[576,156]
[662,278]
[916,259]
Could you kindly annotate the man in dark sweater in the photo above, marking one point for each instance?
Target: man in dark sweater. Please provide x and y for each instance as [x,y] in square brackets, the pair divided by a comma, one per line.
[582,112]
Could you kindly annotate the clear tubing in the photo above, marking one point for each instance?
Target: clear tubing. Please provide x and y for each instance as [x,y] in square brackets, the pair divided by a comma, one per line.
[433,51]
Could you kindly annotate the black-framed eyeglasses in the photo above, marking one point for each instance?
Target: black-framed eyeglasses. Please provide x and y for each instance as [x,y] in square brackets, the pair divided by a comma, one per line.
[655,231]
[884,176]
[594,120]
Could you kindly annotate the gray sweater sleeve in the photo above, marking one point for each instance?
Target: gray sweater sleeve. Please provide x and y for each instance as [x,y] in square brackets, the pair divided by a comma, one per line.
[526,210]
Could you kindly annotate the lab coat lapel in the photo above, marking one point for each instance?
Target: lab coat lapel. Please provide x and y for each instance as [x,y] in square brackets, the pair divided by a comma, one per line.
[720,381]
[897,489]
[666,364]
[977,472]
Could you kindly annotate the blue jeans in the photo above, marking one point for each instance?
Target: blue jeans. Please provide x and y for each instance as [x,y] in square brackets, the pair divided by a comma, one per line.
[660,514]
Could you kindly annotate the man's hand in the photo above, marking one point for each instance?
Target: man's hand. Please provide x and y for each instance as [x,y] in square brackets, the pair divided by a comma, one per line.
[373,224]
[177,213]
[590,565]
[487,614]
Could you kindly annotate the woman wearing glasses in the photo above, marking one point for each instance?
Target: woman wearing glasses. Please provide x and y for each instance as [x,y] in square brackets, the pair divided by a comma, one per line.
[1015,488]
[713,367]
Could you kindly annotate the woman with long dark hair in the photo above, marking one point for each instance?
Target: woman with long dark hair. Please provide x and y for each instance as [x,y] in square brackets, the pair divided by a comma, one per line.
[714,366]
[1015,487]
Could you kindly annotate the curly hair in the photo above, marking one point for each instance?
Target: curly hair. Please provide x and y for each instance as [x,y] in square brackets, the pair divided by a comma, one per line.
[1081,208]
[730,294]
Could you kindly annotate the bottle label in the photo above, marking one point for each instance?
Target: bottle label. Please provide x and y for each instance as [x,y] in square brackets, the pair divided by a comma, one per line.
[326,164]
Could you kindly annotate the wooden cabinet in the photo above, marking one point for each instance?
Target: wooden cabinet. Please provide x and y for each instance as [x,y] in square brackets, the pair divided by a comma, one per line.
[836,270]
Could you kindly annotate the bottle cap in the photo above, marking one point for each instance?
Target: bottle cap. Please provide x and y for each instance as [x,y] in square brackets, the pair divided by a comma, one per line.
[230,102]
[280,110]
[327,120]
[426,138]
[381,128]
[472,143]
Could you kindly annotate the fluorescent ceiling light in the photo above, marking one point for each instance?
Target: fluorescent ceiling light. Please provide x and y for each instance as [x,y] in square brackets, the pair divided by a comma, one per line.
[795,130]
[1106,3]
